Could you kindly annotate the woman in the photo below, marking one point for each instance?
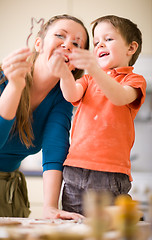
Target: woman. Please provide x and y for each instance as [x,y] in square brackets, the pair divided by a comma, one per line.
[34,115]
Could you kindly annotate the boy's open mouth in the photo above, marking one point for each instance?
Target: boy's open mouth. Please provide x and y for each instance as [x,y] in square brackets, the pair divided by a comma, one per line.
[103,54]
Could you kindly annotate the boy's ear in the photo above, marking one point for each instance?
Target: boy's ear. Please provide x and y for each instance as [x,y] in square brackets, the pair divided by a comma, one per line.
[132,48]
[38,44]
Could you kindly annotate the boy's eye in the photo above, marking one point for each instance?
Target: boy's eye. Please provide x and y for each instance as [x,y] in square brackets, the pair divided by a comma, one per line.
[95,44]
[109,39]
[59,36]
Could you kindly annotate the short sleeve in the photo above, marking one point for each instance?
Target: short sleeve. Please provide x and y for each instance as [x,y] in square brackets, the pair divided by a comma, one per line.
[137,81]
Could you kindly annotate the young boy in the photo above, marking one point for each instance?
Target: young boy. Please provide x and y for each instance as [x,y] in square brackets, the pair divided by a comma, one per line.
[108,99]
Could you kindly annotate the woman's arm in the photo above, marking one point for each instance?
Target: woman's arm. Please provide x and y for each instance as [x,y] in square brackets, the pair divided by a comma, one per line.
[52,181]
[55,149]
[15,68]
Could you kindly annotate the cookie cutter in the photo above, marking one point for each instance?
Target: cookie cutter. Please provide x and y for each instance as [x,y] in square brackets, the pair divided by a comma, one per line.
[41,20]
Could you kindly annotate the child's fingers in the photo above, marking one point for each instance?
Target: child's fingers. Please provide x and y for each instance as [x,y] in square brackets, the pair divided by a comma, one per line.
[79,54]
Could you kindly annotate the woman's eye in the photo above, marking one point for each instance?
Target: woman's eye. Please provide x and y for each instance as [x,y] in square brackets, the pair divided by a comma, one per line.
[59,36]
[76,44]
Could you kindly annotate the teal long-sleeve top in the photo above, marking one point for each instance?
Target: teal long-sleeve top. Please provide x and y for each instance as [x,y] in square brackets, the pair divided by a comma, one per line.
[51,124]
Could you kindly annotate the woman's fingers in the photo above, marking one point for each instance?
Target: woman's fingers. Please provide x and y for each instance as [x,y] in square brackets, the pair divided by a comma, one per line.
[17,52]
[70,215]
[16,57]
[54,213]
[16,65]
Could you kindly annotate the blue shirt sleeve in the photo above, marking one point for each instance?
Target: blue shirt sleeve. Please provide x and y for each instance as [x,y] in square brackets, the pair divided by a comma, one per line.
[56,136]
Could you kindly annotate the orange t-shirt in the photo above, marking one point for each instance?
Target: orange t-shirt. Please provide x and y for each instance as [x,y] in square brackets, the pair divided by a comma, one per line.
[102,133]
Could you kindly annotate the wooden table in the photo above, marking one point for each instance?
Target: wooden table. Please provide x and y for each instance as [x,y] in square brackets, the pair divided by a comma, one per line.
[39,229]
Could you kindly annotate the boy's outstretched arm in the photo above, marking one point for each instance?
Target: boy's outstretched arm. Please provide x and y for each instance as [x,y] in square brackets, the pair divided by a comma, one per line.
[71,90]
[119,95]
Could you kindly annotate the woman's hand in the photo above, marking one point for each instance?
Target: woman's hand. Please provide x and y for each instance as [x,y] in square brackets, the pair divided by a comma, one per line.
[52,180]
[58,66]
[15,67]
[54,213]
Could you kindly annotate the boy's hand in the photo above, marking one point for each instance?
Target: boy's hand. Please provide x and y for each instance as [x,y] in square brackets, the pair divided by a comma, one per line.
[83,59]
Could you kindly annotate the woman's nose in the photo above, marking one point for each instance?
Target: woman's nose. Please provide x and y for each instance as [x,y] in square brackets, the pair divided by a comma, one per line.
[67,45]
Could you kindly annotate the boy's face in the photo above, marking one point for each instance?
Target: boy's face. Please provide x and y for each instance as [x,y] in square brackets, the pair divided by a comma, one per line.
[110,47]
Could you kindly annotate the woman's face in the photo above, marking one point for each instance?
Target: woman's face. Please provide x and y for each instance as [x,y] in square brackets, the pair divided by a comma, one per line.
[62,37]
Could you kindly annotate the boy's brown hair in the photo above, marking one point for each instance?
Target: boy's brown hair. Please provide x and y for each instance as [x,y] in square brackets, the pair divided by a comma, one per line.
[128,30]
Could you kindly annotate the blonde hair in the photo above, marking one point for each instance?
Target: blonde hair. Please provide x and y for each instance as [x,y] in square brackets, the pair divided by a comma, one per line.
[23,122]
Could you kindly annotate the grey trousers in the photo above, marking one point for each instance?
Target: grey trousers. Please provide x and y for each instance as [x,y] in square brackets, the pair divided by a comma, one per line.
[77,181]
